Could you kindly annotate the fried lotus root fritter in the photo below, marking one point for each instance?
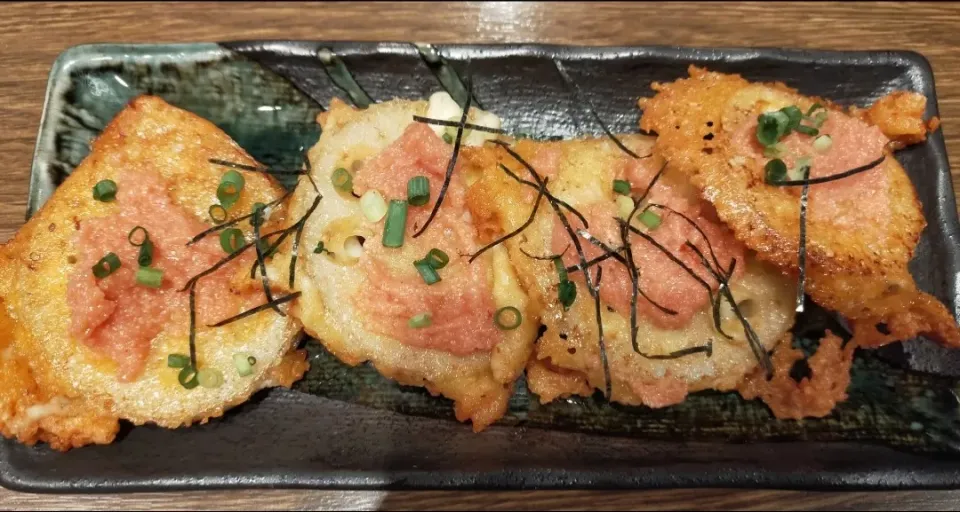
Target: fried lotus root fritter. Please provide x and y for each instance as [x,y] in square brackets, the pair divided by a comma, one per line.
[77,352]
[359,300]
[568,360]
[861,230]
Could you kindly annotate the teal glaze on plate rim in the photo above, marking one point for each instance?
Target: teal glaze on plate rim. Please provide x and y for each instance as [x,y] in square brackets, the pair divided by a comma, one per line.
[93,55]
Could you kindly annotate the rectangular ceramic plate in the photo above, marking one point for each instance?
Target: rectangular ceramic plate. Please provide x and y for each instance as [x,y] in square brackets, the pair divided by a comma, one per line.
[350,428]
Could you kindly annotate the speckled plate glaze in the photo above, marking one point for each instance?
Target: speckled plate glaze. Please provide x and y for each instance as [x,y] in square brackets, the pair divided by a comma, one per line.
[350,428]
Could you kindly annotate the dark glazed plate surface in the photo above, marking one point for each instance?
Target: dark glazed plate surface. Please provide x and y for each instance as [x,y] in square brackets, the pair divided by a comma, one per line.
[350,428]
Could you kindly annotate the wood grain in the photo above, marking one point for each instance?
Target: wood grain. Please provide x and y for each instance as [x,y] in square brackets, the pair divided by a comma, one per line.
[33,34]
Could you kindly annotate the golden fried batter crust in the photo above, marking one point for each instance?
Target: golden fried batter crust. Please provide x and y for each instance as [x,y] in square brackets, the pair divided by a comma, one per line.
[812,397]
[860,273]
[55,389]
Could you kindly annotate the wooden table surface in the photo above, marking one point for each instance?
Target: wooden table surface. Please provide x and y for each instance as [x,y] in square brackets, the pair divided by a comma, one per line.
[32,34]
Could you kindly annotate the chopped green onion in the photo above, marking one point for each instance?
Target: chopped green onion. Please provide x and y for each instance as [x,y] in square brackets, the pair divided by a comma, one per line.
[230,240]
[650,219]
[814,108]
[819,119]
[625,206]
[447,138]
[105,191]
[106,266]
[807,130]
[508,325]
[244,364]
[342,180]
[373,205]
[771,127]
[135,238]
[775,170]
[178,361]
[437,258]
[418,191]
[152,277]
[794,115]
[145,257]
[188,377]
[234,177]
[258,211]
[822,143]
[419,321]
[774,151]
[621,187]
[427,272]
[319,249]
[567,292]
[218,214]
[210,378]
[231,184]
[396,224]
[561,268]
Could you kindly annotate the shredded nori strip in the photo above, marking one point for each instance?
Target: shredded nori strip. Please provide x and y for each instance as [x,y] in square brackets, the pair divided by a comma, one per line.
[550,196]
[296,238]
[599,259]
[690,221]
[614,253]
[563,219]
[802,243]
[453,159]
[714,301]
[753,340]
[515,232]
[576,94]
[608,386]
[549,257]
[272,304]
[193,327]
[229,223]
[826,179]
[216,266]
[264,279]
[468,126]
[256,168]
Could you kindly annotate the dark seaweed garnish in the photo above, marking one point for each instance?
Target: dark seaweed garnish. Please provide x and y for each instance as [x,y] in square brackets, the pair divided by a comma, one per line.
[515,232]
[714,301]
[549,257]
[576,94]
[615,254]
[264,279]
[826,179]
[257,168]
[802,243]
[556,210]
[468,126]
[724,290]
[233,222]
[193,326]
[453,160]
[550,196]
[608,384]
[296,239]
[272,304]
[339,74]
